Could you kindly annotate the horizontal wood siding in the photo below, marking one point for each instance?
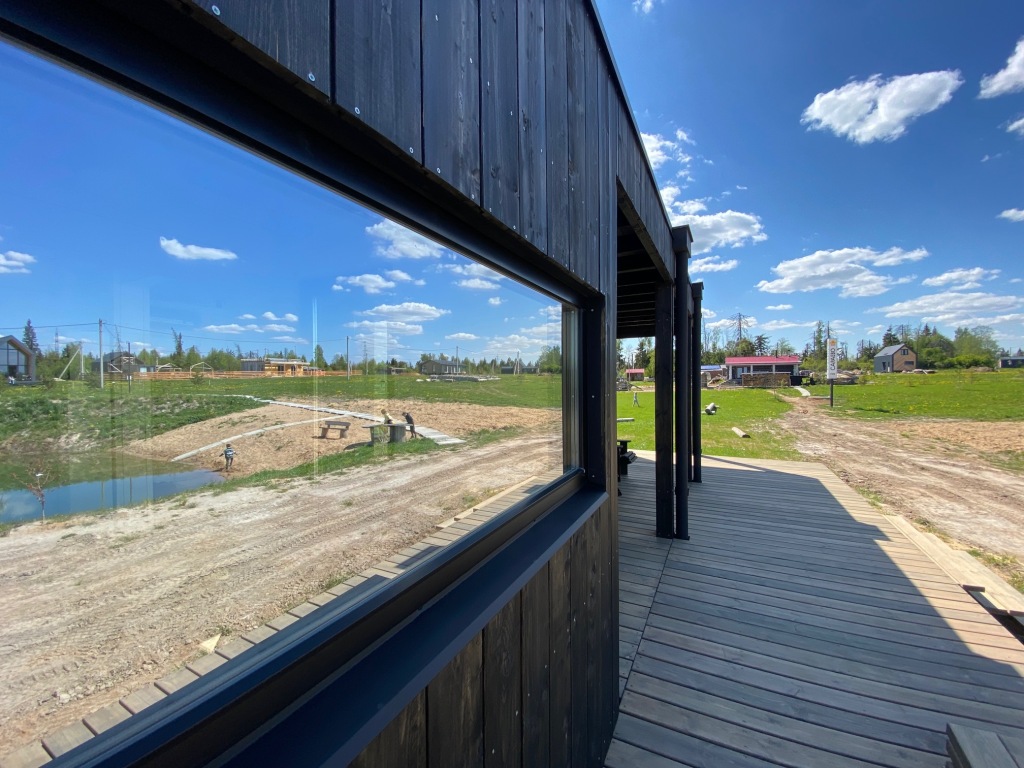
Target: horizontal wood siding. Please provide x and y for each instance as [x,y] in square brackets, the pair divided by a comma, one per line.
[538,687]
[294,33]
[377,69]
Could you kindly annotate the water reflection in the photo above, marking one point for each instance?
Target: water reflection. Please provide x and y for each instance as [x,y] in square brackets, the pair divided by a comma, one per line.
[18,506]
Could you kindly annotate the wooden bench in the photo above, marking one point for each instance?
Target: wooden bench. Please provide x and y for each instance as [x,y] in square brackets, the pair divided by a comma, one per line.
[340,426]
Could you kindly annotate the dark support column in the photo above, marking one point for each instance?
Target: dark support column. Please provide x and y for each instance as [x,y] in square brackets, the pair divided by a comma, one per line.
[663,409]
[682,397]
[698,294]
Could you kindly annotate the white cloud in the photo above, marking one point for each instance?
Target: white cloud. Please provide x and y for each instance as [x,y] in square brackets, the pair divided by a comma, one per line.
[643,6]
[778,325]
[545,330]
[247,316]
[779,307]
[708,313]
[880,110]
[1009,79]
[1017,126]
[684,137]
[385,327]
[477,284]
[1017,280]
[712,264]
[843,268]
[229,328]
[660,150]
[195,252]
[495,301]
[462,337]
[397,242]
[740,187]
[670,192]
[507,346]
[402,277]
[372,284]
[278,328]
[962,279]
[286,316]
[1012,214]
[727,323]
[959,309]
[553,312]
[717,230]
[14,263]
[408,311]
[291,339]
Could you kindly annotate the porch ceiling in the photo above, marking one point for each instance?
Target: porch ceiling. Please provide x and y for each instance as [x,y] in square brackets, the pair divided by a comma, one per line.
[637,275]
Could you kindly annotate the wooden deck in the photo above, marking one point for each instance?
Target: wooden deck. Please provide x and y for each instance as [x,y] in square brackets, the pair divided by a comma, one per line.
[797,627]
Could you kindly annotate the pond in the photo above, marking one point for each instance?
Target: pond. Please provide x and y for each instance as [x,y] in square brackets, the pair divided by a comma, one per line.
[22,505]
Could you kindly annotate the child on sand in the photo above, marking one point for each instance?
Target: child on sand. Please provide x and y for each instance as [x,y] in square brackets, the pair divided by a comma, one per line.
[229,456]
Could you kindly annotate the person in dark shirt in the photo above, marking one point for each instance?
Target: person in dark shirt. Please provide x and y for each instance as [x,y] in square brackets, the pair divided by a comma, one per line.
[229,456]
[412,424]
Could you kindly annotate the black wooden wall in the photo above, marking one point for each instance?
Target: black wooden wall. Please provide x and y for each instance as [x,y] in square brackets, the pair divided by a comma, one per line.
[511,113]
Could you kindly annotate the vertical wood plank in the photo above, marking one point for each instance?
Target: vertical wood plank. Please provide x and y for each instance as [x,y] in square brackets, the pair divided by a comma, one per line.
[560,634]
[294,33]
[556,124]
[451,93]
[377,68]
[455,712]
[536,629]
[581,665]
[596,642]
[500,110]
[592,159]
[533,198]
[403,743]
[503,672]
[577,134]
[663,418]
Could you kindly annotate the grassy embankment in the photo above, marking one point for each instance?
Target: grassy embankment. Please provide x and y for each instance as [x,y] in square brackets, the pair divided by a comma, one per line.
[752,410]
[71,431]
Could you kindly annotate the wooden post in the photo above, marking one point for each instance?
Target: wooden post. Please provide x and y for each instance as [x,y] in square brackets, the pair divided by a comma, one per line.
[698,294]
[663,421]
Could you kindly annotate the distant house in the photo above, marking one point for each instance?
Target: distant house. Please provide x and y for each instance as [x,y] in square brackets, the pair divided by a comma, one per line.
[737,366]
[509,370]
[895,358]
[276,366]
[16,359]
[438,367]
[116,362]
[1013,361]
[634,374]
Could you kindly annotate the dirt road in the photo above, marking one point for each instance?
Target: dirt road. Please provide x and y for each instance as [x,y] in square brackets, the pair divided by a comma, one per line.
[97,607]
[932,470]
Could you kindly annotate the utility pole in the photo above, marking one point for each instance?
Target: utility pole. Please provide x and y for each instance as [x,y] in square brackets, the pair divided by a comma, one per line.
[348,362]
[457,366]
[366,362]
[101,354]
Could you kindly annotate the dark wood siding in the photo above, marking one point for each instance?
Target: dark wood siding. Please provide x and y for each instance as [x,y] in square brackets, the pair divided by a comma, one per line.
[500,110]
[377,69]
[538,687]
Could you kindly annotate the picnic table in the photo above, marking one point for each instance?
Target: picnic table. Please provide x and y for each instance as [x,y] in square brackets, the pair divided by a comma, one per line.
[394,432]
[327,426]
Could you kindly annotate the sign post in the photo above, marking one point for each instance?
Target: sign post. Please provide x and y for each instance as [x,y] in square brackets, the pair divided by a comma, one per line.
[832,368]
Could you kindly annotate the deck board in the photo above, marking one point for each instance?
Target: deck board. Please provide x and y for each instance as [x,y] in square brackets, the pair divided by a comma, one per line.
[806,633]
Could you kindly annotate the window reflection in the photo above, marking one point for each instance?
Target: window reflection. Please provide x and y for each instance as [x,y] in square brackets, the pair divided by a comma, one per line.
[231,397]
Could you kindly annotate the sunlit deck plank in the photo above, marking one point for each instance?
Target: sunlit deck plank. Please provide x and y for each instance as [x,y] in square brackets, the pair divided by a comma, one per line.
[798,626]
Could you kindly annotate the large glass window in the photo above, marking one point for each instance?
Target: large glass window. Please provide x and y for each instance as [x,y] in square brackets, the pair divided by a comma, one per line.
[249,395]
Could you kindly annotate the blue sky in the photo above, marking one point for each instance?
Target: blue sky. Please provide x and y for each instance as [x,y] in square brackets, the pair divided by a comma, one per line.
[113,211]
[854,162]
[857,163]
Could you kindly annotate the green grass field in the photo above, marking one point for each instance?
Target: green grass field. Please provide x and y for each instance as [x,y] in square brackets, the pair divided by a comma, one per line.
[995,396]
[752,410]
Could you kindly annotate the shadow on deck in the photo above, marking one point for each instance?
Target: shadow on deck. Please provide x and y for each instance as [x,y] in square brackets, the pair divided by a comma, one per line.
[796,627]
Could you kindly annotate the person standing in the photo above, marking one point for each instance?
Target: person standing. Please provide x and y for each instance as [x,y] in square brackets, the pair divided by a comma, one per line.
[412,424]
[636,401]
[229,457]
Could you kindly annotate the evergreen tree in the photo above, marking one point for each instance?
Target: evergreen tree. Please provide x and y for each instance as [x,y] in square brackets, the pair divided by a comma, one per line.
[29,339]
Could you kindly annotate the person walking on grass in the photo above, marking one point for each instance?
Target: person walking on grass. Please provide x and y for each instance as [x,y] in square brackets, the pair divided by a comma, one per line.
[636,402]
[229,456]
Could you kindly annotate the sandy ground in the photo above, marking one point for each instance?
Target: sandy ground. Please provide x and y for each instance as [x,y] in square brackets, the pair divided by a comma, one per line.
[96,607]
[927,470]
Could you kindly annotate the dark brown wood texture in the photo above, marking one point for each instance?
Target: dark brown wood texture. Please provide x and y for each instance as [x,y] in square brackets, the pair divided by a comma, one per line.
[500,110]
[294,33]
[451,93]
[377,68]
[539,686]
[556,146]
[533,197]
